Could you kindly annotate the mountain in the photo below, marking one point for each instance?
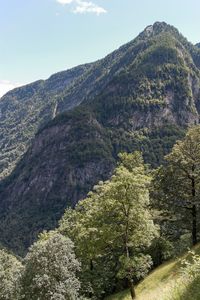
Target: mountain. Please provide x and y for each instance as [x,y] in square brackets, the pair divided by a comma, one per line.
[141,97]
[25,109]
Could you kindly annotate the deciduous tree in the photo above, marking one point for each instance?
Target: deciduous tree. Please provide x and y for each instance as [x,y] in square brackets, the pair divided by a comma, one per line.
[177,184]
[115,220]
[10,272]
[50,270]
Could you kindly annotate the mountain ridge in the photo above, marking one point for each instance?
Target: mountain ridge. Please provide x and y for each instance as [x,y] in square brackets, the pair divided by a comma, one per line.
[61,92]
[153,96]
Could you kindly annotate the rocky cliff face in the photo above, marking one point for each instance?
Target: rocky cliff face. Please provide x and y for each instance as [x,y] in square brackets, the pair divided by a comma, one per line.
[63,167]
[24,110]
[141,97]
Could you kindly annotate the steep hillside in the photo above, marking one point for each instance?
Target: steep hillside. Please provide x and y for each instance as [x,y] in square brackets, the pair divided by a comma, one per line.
[25,109]
[145,96]
[161,282]
[60,167]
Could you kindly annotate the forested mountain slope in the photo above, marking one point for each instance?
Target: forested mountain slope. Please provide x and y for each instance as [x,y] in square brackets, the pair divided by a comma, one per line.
[25,109]
[142,96]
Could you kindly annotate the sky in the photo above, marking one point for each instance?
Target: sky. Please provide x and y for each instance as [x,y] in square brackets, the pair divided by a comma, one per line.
[41,37]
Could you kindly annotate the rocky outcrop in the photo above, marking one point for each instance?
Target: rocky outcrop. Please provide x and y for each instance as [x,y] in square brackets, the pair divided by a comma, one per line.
[24,110]
[57,170]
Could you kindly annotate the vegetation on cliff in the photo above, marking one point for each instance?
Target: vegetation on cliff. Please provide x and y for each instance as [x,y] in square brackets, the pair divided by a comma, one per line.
[142,97]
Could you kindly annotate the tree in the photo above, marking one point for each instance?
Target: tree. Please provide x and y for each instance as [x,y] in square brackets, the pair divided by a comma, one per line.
[50,270]
[10,272]
[177,184]
[115,221]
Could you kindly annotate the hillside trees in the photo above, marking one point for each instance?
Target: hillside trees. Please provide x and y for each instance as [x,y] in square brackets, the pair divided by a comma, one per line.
[50,269]
[10,272]
[113,225]
[177,184]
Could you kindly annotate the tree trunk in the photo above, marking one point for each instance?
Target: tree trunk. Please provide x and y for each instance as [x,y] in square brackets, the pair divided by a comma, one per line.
[194,225]
[132,289]
[91,265]
[131,285]
[194,215]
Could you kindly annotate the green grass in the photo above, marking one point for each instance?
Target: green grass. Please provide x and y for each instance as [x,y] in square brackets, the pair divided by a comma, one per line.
[164,283]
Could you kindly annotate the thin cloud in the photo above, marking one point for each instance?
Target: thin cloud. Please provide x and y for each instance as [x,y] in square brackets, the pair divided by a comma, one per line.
[83,7]
[6,86]
[65,1]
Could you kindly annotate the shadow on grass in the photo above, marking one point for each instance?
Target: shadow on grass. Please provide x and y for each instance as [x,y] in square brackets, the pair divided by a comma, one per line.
[121,296]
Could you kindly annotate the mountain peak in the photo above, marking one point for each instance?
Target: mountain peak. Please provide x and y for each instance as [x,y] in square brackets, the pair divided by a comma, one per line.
[161,25]
[157,28]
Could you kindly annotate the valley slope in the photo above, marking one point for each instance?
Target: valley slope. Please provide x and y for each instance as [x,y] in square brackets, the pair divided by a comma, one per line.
[141,97]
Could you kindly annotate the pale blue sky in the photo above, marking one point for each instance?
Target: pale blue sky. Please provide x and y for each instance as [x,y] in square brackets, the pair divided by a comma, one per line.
[41,37]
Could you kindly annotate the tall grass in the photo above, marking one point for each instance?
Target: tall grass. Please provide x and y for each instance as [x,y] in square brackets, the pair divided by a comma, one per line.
[175,280]
[187,287]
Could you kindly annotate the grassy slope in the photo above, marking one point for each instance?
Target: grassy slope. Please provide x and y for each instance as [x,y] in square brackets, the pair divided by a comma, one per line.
[159,284]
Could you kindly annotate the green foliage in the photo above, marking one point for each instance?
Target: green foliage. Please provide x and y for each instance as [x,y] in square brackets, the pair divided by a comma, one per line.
[177,184]
[191,268]
[187,287]
[114,222]
[138,265]
[161,250]
[50,269]
[10,273]
[153,143]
